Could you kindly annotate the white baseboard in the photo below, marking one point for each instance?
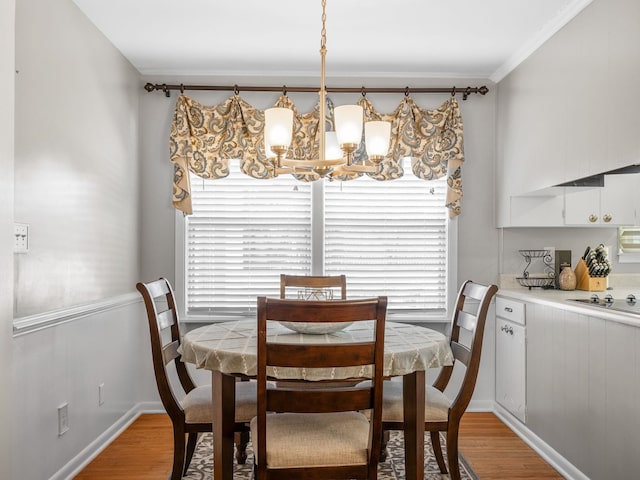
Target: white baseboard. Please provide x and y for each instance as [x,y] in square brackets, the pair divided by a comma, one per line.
[481,406]
[91,451]
[150,407]
[553,458]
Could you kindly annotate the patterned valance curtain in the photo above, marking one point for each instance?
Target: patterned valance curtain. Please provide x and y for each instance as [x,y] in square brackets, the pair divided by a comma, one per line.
[204,139]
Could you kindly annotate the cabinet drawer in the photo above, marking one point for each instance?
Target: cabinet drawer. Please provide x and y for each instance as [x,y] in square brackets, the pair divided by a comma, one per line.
[510,309]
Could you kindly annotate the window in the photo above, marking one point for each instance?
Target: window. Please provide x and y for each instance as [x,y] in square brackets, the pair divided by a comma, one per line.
[390,238]
[629,244]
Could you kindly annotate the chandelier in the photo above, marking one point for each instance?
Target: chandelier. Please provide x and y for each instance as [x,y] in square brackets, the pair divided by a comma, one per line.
[336,148]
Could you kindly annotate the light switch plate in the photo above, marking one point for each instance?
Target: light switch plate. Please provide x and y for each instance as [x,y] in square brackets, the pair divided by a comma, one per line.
[63,419]
[21,235]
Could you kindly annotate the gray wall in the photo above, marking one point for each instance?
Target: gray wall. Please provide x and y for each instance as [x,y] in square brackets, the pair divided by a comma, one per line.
[7,74]
[65,364]
[77,186]
[76,150]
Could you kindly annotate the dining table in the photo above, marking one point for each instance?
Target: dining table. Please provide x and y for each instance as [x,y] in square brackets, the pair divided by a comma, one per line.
[229,350]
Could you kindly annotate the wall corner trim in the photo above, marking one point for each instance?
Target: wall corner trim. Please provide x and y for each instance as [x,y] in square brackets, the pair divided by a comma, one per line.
[40,321]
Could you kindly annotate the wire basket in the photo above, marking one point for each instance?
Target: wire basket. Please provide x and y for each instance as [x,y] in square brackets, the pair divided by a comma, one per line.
[527,280]
[531,282]
[534,253]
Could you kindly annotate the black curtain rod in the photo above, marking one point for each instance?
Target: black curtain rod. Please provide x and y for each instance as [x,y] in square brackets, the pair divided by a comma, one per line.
[465,91]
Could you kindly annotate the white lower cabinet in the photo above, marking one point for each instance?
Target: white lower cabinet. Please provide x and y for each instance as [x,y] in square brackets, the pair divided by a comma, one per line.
[582,386]
[511,354]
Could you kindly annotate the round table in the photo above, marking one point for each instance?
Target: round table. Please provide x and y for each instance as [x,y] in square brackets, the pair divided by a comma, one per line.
[229,349]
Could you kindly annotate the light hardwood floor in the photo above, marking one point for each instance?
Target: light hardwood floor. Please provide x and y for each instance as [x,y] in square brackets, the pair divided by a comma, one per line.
[495,452]
[144,452]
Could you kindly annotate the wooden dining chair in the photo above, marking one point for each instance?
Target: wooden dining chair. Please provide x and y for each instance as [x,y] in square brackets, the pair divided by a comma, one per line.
[313,287]
[302,433]
[442,414]
[194,413]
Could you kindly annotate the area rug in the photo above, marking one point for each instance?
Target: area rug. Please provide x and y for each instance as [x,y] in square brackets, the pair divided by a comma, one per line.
[201,467]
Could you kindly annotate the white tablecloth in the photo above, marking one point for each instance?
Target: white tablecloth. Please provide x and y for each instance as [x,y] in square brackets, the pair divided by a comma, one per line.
[230,347]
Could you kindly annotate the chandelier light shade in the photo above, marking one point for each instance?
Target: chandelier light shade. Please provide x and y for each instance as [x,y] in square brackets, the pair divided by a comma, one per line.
[377,135]
[347,136]
[348,120]
[278,129]
[332,147]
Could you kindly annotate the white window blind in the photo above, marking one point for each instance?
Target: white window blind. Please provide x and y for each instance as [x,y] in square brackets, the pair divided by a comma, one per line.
[243,233]
[389,238]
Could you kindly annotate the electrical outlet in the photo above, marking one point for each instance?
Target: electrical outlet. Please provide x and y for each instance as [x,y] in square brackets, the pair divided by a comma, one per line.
[21,238]
[63,419]
[101,394]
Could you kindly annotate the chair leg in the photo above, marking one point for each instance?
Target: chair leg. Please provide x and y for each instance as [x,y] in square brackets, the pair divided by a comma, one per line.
[383,446]
[191,447]
[452,452]
[437,451]
[242,439]
[178,453]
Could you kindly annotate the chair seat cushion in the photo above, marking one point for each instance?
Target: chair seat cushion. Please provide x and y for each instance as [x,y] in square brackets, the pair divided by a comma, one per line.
[436,404]
[198,405]
[314,439]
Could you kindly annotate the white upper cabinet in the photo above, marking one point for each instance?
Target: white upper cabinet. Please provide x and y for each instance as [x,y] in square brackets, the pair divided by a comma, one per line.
[582,206]
[613,204]
[568,111]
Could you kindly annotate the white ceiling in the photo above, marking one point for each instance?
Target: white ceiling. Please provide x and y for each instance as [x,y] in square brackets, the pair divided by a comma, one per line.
[372,38]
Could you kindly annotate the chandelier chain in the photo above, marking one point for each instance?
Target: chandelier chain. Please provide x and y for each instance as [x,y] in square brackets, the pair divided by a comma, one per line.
[323,93]
[323,32]
[350,118]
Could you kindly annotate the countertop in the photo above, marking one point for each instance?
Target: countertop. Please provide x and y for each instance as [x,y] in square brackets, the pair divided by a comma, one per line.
[619,289]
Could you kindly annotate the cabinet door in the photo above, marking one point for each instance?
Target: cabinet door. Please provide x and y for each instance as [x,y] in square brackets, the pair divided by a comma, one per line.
[613,204]
[582,206]
[536,211]
[617,205]
[511,367]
